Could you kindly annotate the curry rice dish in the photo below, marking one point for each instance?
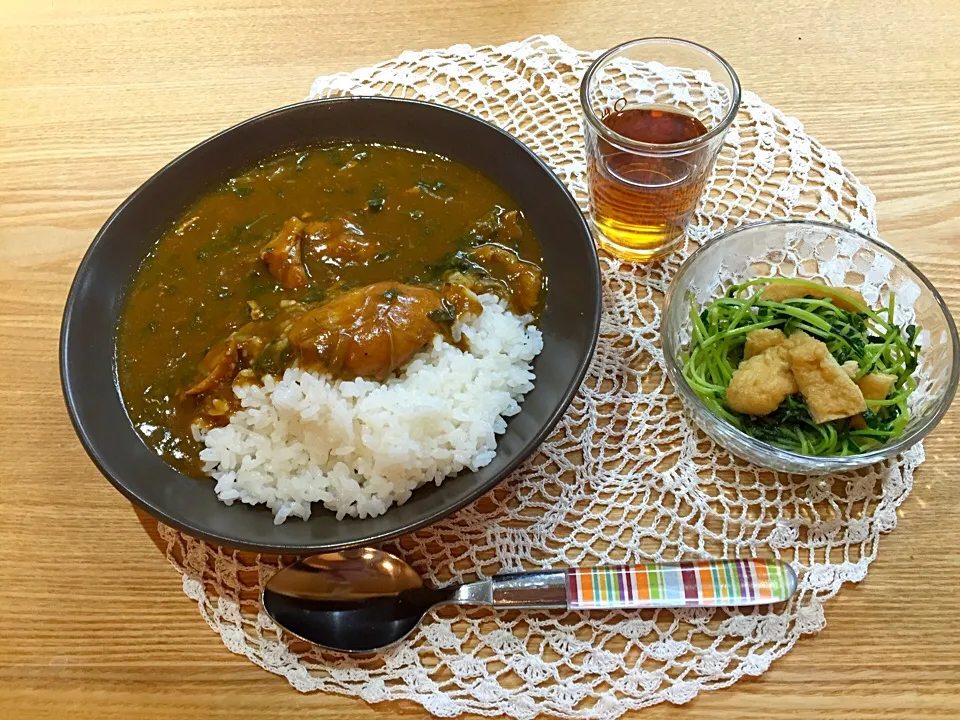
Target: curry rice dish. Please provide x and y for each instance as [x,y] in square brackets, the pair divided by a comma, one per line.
[336,325]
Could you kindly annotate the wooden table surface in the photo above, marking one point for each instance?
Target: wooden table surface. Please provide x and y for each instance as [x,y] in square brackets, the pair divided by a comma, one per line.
[95,96]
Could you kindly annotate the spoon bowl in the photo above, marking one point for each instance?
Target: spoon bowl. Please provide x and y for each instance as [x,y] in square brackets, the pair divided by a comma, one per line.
[356,600]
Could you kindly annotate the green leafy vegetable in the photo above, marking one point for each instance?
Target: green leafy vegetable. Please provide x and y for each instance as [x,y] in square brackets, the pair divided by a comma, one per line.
[455,261]
[868,337]
[275,357]
[378,197]
[314,294]
[334,156]
[444,315]
[433,189]
[488,226]
[239,187]
[261,283]
[435,186]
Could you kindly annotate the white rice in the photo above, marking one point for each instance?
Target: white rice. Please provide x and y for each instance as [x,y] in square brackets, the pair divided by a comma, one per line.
[360,446]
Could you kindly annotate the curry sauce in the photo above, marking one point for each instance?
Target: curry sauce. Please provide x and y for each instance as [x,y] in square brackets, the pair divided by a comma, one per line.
[233,290]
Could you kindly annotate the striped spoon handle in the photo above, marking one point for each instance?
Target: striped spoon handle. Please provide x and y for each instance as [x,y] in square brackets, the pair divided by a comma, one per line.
[697,583]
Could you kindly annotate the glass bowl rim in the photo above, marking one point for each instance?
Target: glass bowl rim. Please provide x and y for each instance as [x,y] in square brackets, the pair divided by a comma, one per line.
[671,347]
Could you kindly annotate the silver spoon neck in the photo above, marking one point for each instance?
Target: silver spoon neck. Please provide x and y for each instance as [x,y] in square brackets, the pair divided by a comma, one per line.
[541,589]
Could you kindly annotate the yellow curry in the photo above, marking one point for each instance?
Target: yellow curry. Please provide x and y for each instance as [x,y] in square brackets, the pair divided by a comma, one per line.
[345,260]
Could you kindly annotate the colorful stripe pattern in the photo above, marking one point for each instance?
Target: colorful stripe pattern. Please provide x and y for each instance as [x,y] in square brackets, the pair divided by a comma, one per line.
[702,583]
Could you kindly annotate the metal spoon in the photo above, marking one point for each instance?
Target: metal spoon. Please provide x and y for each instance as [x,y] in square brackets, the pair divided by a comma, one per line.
[366,599]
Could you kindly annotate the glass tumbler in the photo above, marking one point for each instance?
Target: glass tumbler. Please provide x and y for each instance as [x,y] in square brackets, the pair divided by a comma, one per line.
[655,114]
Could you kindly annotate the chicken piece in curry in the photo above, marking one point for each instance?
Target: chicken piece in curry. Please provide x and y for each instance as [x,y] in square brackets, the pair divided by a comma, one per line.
[346,260]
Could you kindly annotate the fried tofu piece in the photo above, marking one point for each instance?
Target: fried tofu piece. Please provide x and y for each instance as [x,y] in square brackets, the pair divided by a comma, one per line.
[762,382]
[851,368]
[778,292]
[761,340]
[876,386]
[830,393]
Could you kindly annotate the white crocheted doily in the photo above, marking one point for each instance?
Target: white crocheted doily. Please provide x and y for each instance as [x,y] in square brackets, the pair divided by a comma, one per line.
[625,478]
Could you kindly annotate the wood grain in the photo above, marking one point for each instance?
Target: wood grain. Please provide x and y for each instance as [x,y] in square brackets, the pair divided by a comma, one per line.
[95,96]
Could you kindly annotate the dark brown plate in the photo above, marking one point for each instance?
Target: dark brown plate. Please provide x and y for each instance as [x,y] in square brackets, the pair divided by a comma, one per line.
[570,321]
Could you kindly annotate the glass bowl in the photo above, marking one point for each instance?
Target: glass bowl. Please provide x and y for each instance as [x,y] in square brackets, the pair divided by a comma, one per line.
[841,257]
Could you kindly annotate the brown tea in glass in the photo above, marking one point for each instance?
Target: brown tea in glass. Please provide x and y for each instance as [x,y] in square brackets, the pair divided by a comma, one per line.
[648,160]
[644,202]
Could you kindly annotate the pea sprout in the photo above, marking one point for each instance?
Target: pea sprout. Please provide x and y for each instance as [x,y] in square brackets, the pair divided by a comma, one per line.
[869,337]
